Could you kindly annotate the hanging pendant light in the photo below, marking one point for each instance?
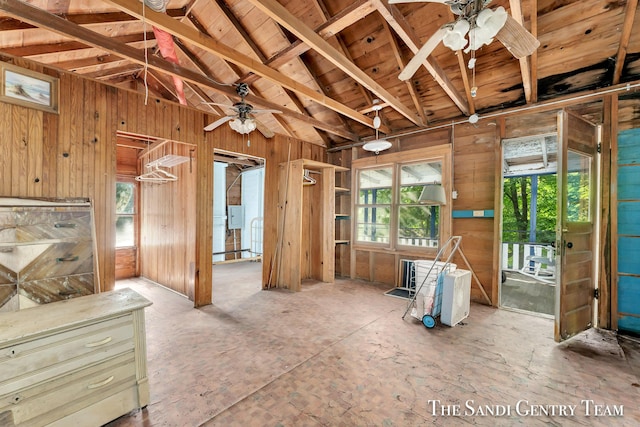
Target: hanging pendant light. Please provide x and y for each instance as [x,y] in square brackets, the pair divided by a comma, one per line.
[377,145]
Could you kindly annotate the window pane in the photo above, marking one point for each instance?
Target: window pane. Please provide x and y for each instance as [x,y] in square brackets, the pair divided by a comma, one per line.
[578,187]
[375,196]
[125,235]
[124,198]
[375,178]
[421,173]
[373,224]
[419,225]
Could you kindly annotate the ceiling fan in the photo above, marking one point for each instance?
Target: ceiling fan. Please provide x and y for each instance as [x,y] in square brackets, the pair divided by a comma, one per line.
[476,25]
[243,120]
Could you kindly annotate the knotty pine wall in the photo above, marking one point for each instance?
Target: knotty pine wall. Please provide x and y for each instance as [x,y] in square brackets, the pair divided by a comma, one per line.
[73,154]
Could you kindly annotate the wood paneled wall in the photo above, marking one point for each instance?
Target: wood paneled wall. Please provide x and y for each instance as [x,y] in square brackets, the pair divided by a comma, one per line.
[168,221]
[73,154]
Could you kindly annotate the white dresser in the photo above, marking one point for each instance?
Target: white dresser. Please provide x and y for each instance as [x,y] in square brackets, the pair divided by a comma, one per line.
[78,362]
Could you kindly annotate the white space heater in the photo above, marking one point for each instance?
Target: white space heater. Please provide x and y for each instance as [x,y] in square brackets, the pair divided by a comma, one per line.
[456,297]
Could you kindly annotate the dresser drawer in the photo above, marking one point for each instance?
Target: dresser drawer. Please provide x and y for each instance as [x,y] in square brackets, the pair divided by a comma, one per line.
[25,364]
[61,288]
[52,400]
[32,224]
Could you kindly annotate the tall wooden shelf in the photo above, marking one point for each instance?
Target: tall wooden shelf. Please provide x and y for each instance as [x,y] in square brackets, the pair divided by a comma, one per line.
[306,224]
[343,224]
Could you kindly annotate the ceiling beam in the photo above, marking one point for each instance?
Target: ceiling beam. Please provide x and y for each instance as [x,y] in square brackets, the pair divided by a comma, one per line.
[334,25]
[56,48]
[533,64]
[525,71]
[58,25]
[402,63]
[258,52]
[178,29]
[625,35]
[280,14]
[399,24]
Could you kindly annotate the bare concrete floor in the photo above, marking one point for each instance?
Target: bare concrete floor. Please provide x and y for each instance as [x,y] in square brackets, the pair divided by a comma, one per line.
[341,355]
[523,292]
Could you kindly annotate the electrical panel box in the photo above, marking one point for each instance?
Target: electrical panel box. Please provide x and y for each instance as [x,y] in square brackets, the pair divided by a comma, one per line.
[235,217]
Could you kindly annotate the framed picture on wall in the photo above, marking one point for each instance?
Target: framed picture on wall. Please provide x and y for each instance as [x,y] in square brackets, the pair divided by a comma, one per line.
[28,88]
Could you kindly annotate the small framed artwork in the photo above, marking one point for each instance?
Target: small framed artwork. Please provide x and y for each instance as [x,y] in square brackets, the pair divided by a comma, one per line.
[28,88]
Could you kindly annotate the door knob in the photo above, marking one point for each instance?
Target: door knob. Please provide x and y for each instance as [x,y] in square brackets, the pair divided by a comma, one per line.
[569,245]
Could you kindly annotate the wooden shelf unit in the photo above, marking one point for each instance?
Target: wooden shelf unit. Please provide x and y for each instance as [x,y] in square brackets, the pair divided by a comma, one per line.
[306,224]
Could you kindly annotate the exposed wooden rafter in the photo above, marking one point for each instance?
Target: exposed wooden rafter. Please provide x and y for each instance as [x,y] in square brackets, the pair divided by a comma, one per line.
[625,35]
[237,25]
[54,23]
[285,18]
[205,42]
[397,21]
[525,71]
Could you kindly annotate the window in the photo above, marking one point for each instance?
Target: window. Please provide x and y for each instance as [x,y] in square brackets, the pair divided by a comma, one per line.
[125,214]
[418,224]
[374,204]
[387,210]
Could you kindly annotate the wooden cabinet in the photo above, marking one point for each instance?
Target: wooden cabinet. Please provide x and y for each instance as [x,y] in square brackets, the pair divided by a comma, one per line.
[47,251]
[306,223]
[79,362]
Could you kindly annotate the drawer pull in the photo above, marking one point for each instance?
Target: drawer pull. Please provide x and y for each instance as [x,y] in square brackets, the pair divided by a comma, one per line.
[101,383]
[98,343]
[64,225]
[16,399]
[67,258]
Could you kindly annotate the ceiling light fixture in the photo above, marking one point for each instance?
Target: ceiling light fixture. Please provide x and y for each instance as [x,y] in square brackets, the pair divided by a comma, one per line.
[479,25]
[243,126]
[377,145]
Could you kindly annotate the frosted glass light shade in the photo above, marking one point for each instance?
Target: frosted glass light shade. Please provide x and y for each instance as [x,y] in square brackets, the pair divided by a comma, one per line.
[433,194]
[243,127]
[377,145]
[454,37]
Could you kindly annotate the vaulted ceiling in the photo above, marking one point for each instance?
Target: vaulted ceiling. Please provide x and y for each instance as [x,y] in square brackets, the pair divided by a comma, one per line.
[326,63]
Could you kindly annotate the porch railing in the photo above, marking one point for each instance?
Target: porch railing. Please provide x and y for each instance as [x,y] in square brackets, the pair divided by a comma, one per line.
[529,258]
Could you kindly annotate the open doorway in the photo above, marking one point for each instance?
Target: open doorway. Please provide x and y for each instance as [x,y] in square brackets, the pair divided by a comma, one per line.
[529,218]
[238,205]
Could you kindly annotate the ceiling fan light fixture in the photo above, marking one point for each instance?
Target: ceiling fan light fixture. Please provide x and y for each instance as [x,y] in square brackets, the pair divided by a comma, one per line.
[454,38]
[243,126]
[492,20]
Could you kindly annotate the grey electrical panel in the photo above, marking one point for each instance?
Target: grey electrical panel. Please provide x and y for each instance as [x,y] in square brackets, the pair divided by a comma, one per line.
[235,217]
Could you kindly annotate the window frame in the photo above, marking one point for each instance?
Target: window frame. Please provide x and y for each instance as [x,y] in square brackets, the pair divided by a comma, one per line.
[438,153]
[136,211]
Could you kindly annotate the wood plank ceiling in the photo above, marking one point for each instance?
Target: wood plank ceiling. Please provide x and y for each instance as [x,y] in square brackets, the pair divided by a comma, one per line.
[324,63]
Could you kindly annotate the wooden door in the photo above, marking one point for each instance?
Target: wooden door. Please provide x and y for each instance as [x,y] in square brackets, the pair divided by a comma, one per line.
[575,237]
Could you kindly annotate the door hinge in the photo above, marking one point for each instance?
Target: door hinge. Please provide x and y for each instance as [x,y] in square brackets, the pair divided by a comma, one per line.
[596,293]
[599,147]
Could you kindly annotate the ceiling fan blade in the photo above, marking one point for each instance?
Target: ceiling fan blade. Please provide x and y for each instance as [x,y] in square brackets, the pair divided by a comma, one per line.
[422,54]
[264,130]
[218,122]
[517,39]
